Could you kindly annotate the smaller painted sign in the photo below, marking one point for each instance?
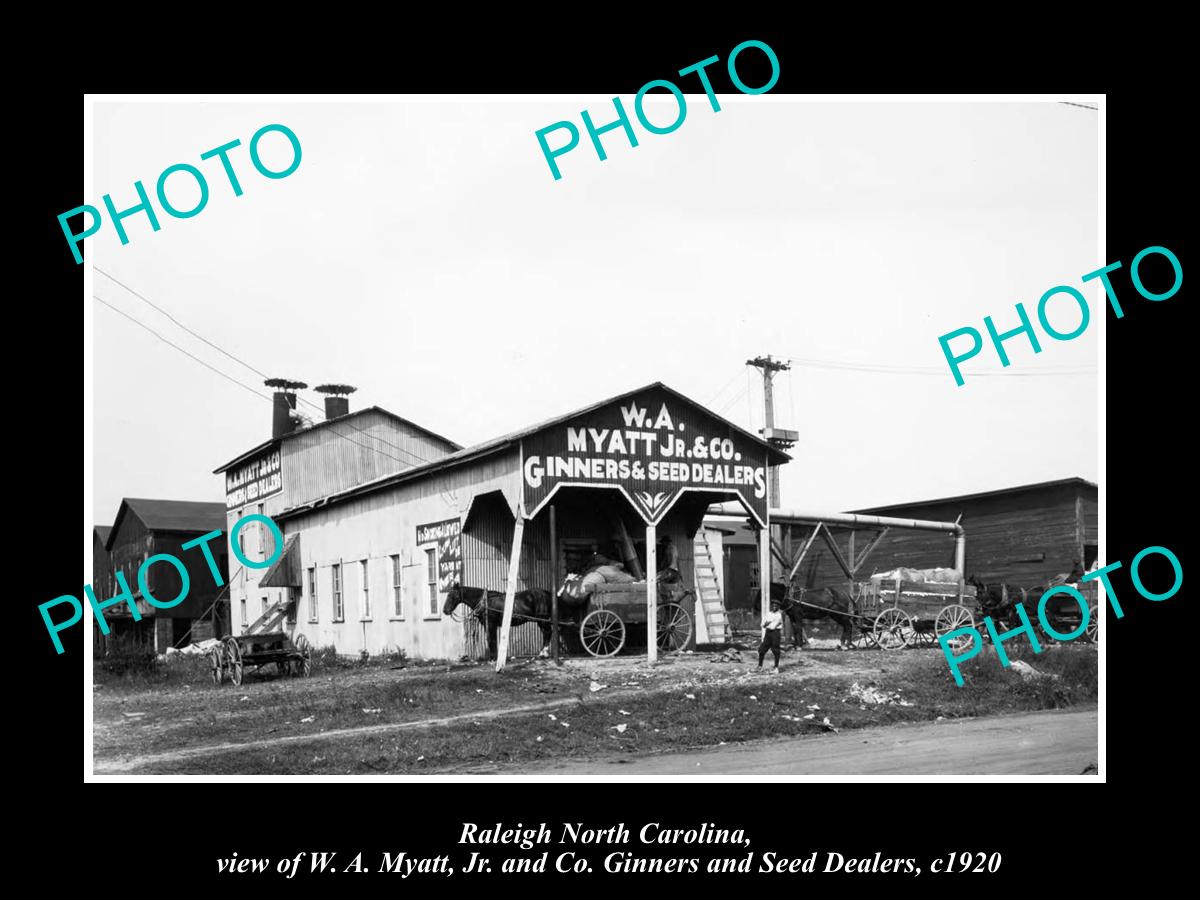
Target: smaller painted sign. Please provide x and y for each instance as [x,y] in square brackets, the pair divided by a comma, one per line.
[254,481]
[448,537]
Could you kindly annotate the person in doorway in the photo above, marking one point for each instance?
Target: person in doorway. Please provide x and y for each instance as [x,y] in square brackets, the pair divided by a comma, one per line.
[669,560]
[772,634]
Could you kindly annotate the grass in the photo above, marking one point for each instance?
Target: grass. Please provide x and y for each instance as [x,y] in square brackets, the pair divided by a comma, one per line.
[659,720]
[182,707]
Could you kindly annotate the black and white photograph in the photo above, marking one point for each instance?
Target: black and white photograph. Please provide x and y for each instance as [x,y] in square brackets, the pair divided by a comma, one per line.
[708,433]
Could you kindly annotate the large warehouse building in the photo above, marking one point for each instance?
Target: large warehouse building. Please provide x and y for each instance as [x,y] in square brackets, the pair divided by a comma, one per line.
[380,518]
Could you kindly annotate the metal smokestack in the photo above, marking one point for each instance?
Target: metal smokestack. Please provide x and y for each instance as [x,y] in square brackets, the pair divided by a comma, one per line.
[284,418]
[337,399]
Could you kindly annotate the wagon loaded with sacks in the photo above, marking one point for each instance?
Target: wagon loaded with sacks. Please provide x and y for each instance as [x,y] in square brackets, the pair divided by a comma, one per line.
[611,607]
[892,610]
[910,607]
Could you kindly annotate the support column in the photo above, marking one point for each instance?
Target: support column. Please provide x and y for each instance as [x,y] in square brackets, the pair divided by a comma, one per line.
[651,593]
[554,585]
[764,569]
[514,564]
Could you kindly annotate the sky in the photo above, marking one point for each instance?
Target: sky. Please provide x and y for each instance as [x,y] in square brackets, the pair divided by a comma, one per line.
[423,252]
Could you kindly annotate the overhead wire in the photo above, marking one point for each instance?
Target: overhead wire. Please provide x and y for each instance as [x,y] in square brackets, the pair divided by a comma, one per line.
[252,368]
[884,369]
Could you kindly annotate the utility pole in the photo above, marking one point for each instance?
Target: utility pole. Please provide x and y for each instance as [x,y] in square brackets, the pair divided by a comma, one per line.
[780,438]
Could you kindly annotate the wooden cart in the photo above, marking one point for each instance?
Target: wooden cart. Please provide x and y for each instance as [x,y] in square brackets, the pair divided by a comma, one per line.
[614,607]
[234,653]
[895,613]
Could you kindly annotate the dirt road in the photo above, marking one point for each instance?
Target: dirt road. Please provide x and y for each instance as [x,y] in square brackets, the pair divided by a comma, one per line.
[1041,743]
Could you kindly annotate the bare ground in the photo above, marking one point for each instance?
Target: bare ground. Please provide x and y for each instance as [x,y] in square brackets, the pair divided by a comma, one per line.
[464,718]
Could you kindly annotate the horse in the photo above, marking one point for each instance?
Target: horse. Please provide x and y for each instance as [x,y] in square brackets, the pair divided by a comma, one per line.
[832,602]
[999,601]
[532,605]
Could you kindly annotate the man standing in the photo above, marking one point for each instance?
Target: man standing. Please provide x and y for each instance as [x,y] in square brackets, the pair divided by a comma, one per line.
[772,629]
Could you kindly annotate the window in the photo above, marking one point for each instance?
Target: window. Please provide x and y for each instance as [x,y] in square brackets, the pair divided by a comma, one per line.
[366,590]
[265,603]
[312,595]
[242,536]
[432,578]
[339,614]
[245,617]
[397,595]
[262,534]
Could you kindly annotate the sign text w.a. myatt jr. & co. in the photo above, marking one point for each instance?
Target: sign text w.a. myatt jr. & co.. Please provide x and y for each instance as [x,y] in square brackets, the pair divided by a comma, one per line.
[653,450]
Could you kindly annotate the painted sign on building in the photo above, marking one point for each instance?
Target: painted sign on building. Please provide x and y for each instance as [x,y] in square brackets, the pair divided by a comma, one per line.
[448,537]
[653,447]
[253,481]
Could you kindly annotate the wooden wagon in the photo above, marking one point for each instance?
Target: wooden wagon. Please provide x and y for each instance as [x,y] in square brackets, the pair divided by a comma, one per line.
[614,607]
[234,653]
[896,613]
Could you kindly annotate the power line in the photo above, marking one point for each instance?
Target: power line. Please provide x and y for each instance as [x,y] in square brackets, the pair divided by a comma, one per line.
[736,376]
[181,350]
[257,371]
[180,324]
[732,402]
[1080,105]
[253,391]
[1047,372]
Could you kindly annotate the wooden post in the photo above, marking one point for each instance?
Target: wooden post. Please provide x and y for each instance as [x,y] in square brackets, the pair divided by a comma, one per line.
[764,569]
[651,594]
[554,587]
[514,563]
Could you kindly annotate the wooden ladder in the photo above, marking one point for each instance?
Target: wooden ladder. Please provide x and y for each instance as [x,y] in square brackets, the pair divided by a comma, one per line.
[269,619]
[709,590]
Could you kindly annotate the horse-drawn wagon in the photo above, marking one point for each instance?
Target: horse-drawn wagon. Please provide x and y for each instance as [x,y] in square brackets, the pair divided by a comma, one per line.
[234,653]
[888,612]
[903,613]
[614,607]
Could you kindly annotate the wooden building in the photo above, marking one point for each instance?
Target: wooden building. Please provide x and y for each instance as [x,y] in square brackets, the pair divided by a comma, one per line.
[368,558]
[102,579]
[144,528]
[1023,535]
[300,466]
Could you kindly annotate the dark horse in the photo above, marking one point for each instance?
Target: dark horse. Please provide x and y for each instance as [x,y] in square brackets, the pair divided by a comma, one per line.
[833,603]
[531,605]
[1000,602]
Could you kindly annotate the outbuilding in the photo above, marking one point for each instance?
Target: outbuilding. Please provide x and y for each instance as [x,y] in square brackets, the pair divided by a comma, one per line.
[144,528]
[1023,535]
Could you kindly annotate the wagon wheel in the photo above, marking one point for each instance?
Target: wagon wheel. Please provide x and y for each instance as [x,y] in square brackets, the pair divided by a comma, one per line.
[303,666]
[956,616]
[1093,626]
[217,660]
[674,627]
[602,632]
[893,629]
[233,660]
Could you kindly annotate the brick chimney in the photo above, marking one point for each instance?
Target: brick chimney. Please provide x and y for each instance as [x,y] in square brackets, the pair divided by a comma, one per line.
[337,399]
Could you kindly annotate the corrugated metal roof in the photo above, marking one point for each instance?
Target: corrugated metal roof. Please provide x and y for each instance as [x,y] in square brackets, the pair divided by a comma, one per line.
[513,438]
[1040,485]
[171,515]
[254,451]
